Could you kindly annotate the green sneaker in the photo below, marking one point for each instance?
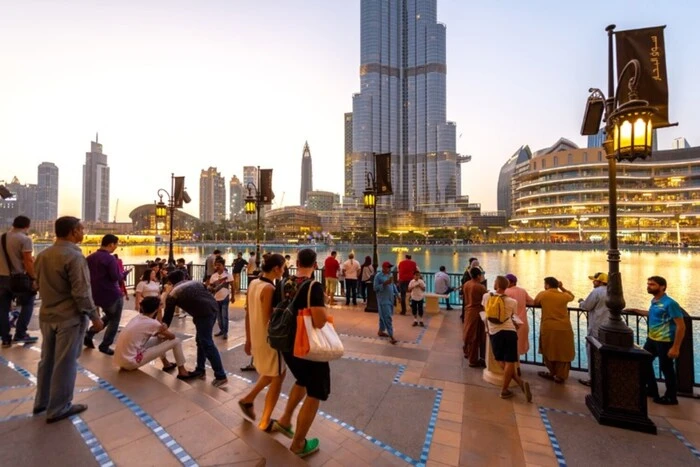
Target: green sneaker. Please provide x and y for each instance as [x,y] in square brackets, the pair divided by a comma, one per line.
[288,432]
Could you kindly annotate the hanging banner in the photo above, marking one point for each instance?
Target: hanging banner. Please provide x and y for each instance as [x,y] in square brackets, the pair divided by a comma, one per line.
[646,45]
[178,191]
[266,194]
[382,170]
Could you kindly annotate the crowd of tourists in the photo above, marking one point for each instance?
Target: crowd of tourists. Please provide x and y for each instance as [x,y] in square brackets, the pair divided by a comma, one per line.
[84,296]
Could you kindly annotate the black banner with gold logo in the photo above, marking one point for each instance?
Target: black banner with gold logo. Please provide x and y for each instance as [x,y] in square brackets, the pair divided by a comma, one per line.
[646,45]
[383,174]
[266,194]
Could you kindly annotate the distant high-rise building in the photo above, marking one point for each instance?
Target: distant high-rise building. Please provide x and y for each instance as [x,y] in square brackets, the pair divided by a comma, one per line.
[348,156]
[47,192]
[236,197]
[597,140]
[250,175]
[504,195]
[212,196]
[401,106]
[95,184]
[322,200]
[307,183]
[25,197]
[680,143]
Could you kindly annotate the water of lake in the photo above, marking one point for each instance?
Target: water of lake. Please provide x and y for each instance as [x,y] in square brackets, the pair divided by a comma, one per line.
[531,266]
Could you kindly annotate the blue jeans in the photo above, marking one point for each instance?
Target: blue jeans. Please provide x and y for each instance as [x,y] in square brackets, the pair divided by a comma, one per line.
[222,316]
[27,308]
[112,317]
[206,350]
[386,313]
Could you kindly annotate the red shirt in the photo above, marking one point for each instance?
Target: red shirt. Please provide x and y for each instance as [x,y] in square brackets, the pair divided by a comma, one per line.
[330,267]
[407,268]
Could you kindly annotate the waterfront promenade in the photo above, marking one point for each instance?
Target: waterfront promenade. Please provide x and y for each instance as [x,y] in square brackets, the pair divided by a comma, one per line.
[416,403]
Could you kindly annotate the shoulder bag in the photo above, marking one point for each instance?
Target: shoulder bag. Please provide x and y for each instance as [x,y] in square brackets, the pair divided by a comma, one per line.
[20,282]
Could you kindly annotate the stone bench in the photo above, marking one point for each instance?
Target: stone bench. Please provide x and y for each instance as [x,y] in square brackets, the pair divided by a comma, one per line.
[432,305]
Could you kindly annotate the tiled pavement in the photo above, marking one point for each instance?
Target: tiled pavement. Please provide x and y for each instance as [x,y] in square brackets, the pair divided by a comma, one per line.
[433,399]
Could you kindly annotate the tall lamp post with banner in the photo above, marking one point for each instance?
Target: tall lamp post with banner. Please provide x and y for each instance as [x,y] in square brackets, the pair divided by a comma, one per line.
[617,368]
[378,184]
[176,196]
[254,202]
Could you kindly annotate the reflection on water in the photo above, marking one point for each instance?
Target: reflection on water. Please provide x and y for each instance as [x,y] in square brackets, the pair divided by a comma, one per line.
[531,266]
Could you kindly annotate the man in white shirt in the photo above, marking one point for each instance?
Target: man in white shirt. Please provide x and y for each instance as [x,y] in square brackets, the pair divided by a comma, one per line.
[442,285]
[351,271]
[417,289]
[219,284]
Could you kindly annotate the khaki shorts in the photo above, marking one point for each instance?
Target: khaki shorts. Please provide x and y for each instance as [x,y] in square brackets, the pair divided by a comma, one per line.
[331,286]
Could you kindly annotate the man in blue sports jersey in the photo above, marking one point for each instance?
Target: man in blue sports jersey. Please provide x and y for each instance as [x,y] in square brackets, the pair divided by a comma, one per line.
[666,331]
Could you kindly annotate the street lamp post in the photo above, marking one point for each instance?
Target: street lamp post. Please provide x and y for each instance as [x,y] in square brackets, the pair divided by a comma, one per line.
[162,211]
[370,202]
[252,206]
[617,368]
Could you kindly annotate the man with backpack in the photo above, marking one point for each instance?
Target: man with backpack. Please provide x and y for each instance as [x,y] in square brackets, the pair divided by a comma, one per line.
[500,310]
[313,379]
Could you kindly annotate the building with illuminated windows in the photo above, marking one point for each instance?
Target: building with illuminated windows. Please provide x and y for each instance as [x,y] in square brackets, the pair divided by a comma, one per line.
[560,194]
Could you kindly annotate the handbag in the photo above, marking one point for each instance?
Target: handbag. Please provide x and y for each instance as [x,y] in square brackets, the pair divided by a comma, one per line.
[20,282]
[316,344]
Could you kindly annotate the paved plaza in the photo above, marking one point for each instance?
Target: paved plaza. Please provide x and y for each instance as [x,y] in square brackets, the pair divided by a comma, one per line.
[416,403]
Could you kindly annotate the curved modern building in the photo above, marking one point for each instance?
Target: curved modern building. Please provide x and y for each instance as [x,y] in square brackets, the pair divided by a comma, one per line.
[504,197]
[144,221]
[561,194]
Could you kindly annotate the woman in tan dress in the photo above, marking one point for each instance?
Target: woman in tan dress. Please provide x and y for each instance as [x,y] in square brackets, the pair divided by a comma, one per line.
[556,333]
[268,362]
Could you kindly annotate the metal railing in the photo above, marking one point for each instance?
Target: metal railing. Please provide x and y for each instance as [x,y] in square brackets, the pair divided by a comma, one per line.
[579,324]
[578,317]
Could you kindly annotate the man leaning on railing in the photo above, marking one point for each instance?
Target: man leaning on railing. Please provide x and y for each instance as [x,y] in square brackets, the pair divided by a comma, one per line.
[666,331]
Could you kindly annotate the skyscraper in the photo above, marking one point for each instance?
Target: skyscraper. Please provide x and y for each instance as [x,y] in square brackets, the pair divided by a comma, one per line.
[401,107]
[348,193]
[25,196]
[95,184]
[250,175]
[236,197]
[212,196]
[47,192]
[307,183]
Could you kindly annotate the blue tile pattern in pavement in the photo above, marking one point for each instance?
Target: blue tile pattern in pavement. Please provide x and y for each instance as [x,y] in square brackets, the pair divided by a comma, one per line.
[93,444]
[552,437]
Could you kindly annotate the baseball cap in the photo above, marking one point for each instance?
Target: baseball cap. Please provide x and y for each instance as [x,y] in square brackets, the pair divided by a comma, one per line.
[387,264]
[599,276]
[512,278]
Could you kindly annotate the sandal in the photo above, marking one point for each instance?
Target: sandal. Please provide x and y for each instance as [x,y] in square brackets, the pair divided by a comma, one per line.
[247,409]
[169,367]
[558,380]
[545,375]
[286,431]
[506,395]
[310,447]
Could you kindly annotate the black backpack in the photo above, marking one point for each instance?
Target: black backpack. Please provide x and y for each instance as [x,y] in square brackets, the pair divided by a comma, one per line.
[283,322]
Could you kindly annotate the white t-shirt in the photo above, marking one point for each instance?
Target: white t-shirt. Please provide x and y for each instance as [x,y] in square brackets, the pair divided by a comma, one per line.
[417,293]
[222,293]
[132,338]
[351,269]
[511,308]
[148,289]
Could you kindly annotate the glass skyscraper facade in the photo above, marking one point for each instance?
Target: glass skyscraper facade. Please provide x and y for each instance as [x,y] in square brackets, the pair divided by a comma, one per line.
[95,184]
[307,181]
[47,192]
[401,106]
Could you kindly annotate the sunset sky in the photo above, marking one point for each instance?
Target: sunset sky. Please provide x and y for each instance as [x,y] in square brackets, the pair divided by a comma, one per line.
[178,86]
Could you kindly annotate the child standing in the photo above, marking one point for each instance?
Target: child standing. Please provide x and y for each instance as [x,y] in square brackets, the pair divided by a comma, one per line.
[417,289]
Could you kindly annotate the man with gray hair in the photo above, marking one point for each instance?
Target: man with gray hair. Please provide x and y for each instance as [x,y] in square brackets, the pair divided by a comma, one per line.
[66,305]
